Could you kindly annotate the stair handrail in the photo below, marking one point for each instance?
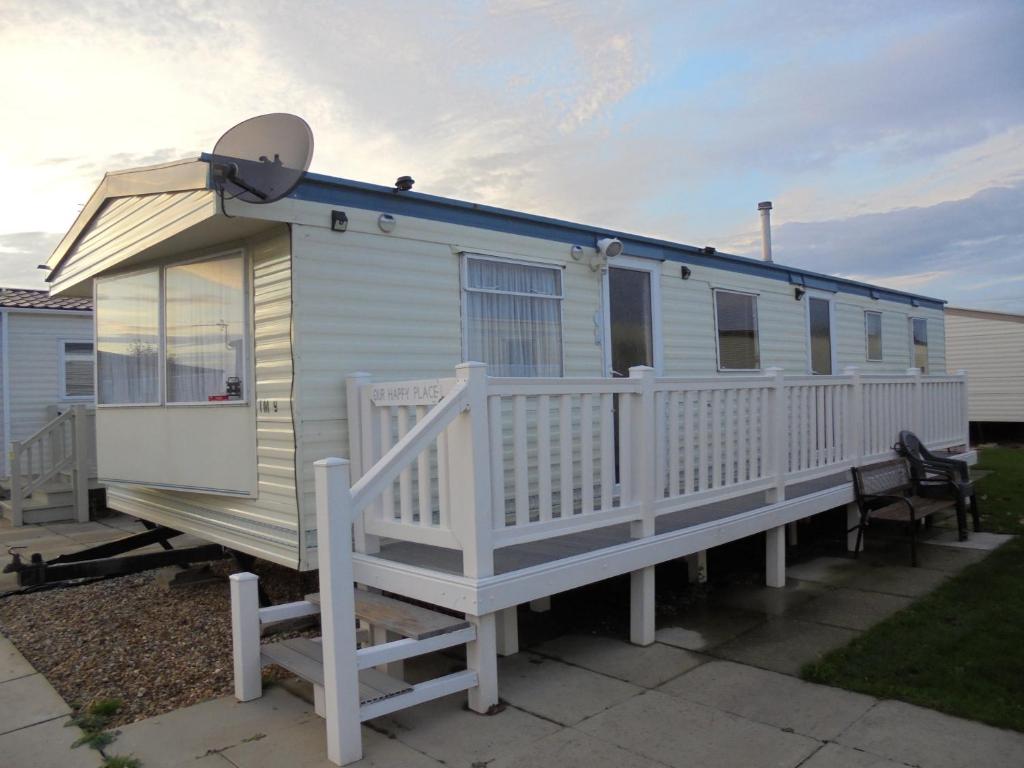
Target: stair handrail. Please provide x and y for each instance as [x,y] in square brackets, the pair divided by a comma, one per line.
[63,457]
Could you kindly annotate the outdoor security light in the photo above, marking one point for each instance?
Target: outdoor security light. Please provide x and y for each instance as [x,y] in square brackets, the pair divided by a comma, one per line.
[609,247]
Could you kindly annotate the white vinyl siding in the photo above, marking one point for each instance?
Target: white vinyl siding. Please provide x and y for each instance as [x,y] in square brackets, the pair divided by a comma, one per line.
[990,347]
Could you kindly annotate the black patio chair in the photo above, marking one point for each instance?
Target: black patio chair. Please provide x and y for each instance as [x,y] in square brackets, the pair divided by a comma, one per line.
[938,477]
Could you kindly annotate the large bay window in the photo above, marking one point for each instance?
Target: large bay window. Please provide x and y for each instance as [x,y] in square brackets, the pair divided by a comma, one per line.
[513,317]
[173,335]
[736,325]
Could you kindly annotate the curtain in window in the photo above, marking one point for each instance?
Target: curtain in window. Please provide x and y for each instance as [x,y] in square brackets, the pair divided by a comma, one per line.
[78,369]
[737,331]
[205,317]
[513,318]
[127,333]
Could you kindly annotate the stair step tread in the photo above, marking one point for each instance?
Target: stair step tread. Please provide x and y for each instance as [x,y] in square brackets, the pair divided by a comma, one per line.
[34,505]
[305,657]
[402,618]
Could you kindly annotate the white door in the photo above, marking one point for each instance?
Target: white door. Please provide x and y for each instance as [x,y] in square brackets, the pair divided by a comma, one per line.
[632,330]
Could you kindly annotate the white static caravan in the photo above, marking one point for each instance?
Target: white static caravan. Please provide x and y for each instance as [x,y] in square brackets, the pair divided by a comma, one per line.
[629,410]
[990,347]
[46,368]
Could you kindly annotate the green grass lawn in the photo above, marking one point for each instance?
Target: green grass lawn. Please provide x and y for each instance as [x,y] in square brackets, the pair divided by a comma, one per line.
[1002,492]
[958,649]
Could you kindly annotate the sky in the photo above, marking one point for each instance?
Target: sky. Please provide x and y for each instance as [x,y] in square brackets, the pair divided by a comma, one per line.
[889,135]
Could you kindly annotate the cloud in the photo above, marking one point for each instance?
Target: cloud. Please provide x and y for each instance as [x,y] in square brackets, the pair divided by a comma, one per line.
[20,252]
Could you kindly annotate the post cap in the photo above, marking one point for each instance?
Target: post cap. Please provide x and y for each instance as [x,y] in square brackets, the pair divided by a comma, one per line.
[244,576]
[331,461]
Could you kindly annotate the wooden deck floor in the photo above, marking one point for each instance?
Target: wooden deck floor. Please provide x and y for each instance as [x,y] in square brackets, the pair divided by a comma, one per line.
[520,556]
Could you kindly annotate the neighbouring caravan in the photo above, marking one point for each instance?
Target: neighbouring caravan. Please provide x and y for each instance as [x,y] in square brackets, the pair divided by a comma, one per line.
[990,347]
[225,332]
[46,368]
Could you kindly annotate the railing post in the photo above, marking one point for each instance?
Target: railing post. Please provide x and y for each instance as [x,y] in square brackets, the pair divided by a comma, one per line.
[779,434]
[643,485]
[337,610]
[17,498]
[965,404]
[80,462]
[917,425]
[469,453]
[354,383]
[855,417]
[245,635]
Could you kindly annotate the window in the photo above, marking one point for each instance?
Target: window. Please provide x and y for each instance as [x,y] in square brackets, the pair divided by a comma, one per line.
[919,343]
[128,338]
[873,335]
[736,320]
[513,317]
[197,354]
[76,370]
[819,325]
[205,330]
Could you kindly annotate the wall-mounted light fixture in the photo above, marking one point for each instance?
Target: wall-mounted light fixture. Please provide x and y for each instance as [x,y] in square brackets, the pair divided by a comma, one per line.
[915,303]
[339,221]
[577,252]
[798,293]
[606,248]
[386,222]
[685,272]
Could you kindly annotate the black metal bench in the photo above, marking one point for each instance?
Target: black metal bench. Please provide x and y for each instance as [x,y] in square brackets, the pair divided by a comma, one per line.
[941,477]
[887,491]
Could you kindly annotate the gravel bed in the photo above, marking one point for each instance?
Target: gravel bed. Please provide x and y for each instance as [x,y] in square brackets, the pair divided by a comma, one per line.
[133,638]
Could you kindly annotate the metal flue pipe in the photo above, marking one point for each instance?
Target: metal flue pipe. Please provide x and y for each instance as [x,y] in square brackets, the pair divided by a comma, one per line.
[766,229]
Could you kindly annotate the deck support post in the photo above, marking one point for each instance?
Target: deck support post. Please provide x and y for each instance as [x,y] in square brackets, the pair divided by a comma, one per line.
[337,611]
[642,489]
[245,635]
[507,630]
[482,658]
[697,567]
[855,416]
[541,604]
[964,407]
[852,521]
[775,556]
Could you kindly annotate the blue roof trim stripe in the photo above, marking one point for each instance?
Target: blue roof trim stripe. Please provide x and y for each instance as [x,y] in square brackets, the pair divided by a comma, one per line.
[331,190]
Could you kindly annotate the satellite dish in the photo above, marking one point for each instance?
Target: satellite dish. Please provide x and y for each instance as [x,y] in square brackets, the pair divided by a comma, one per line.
[263,158]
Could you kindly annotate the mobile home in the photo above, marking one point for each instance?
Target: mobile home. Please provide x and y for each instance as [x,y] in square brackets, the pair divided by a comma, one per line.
[46,368]
[528,404]
[990,347]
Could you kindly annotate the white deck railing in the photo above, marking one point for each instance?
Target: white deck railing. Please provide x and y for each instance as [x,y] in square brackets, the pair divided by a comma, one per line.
[477,463]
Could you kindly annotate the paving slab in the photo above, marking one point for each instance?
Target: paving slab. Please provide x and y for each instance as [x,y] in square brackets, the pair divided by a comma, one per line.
[571,748]
[12,663]
[918,736]
[557,691]
[305,746]
[681,733]
[897,580]
[976,540]
[27,701]
[832,571]
[771,698]
[785,645]
[838,756]
[448,732]
[47,745]
[703,629]
[647,667]
[851,608]
[771,601]
[192,732]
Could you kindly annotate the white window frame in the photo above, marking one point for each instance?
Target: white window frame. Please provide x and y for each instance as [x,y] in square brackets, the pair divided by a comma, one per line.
[247,331]
[830,298]
[912,363]
[757,331]
[867,337]
[62,358]
[159,335]
[464,289]
[637,265]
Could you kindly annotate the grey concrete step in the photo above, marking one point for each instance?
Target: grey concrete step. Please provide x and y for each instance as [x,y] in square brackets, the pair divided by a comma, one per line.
[34,513]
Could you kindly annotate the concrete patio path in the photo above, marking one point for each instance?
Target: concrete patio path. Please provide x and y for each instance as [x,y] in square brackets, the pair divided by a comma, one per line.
[718,688]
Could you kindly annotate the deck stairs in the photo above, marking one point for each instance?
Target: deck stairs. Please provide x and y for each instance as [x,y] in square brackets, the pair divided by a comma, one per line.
[411,630]
[54,502]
